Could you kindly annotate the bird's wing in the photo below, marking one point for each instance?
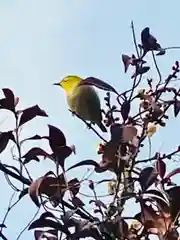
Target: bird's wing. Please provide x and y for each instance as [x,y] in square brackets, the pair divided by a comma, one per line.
[93,105]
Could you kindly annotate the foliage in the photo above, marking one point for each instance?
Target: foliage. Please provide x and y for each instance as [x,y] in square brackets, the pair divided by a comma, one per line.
[151,187]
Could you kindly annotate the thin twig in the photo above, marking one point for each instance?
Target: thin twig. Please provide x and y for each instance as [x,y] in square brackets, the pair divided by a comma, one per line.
[14,175]
[164,156]
[9,209]
[24,229]
[169,48]
[158,71]
[134,39]
[89,126]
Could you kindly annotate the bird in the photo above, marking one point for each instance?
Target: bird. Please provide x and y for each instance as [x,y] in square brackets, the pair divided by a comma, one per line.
[82,100]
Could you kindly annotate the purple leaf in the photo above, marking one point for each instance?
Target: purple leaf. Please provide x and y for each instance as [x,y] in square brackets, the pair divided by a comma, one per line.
[174,198]
[4,139]
[141,71]
[57,142]
[98,83]
[172,173]
[74,186]
[85,163]
[56,138]
[149,42]
[30,113]
[49,235]
[147,177]
[8,101]
[125,109]
[161,52]
[126,61]
[33,153]
[155,193]
[46,185]
[161,167]
[98,203]
[9,95]
[61,154]
[43,222]
[38,235]
[176,107]
[35,137]
[77,202]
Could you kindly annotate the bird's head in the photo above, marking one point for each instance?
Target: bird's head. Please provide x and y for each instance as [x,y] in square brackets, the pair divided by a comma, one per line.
[69,82]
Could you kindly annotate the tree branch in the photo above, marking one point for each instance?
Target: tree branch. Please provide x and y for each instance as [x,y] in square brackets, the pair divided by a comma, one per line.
[14,175]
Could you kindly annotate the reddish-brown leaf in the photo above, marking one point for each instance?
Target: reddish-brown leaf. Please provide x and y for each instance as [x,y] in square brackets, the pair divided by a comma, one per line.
[174,199]
[38,234]
[154,223]
[147,177]
[125,109]
[35,137]
[155,194]
[173,172]
[57,142]
[129,132]
[149,42]
[176,107]
[33,154]
[98,203]
[8,101]
[98,83]
[4,139]
[8,93]
[46,185]
[141,71]
[126,61]
[172,234]
[161,52]
[56,138]
[49,235]
[85,163]
[74,186]
[30,113]
[44,221]
[77,202]
[16,101]
[62,153]
[161,167]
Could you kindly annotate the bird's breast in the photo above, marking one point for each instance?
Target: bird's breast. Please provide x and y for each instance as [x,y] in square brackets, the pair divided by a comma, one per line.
[81,101]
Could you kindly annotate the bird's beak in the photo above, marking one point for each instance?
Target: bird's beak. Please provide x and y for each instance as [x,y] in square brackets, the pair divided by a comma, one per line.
[57,84]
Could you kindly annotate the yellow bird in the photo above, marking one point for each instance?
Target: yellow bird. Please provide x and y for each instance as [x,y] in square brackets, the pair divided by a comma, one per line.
[82,99]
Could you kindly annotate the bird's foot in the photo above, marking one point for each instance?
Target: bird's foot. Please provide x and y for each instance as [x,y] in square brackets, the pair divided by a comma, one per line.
[73,113]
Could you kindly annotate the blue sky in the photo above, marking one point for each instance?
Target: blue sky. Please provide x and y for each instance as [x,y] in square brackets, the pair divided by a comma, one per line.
[41,41]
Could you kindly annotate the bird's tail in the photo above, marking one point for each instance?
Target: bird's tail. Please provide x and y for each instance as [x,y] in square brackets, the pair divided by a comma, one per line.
[102,127]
